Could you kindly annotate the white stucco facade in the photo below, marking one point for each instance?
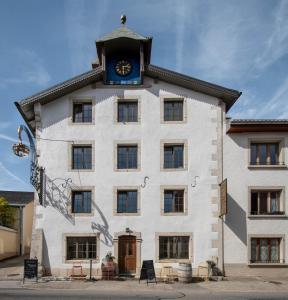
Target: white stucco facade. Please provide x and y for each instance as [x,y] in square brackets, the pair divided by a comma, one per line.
[240,226]
[202,140]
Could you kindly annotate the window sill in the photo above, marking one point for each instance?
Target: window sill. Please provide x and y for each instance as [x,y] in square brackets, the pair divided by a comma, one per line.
[174,122]
[173,261]
[128,123]
[81,170]
[127,214]
[267,166]
[82,214]
[81,261]
[173,169]
[177,214]
[267,216]
[127,170]
[267,265]
[81,123]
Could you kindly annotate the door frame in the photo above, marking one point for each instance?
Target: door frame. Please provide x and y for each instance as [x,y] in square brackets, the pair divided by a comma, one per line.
[138,248]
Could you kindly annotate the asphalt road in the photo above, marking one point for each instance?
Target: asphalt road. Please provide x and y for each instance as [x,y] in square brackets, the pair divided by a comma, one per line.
[26,294]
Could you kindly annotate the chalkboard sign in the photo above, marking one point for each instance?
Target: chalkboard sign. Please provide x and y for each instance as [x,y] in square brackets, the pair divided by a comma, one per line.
[148,271]
[30,269]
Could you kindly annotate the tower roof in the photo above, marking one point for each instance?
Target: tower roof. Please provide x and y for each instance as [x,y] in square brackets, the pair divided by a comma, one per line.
[122,32]
[125,32]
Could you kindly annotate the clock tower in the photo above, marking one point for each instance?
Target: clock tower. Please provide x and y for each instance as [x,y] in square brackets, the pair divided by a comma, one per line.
[123,55]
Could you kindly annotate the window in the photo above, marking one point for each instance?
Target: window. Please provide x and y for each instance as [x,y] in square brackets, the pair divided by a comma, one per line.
[173,156]
[173,110]
[81,201]
[265,250]
[81,247]
[127,156]
[127,201]
[82,157]
[264,154]
[127,111]
[266,202]
[82,112]
[174,247]
[173,201]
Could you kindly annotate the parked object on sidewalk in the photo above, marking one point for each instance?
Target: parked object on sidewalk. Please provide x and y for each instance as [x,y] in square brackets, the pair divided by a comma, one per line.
[108,267]
[148,272]
[167,274]
[185,272]
[30,269]
[75,269]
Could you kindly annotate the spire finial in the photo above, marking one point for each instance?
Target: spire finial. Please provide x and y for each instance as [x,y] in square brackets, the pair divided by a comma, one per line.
[123,19]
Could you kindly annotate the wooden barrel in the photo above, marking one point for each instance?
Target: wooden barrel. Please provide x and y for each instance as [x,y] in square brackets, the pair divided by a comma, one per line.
[185,272]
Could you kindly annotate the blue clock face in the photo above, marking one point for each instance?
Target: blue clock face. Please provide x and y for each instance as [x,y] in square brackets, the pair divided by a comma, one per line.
[123,70]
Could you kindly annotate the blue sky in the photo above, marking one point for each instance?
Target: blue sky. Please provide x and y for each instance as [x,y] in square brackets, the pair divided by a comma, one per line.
[237,44]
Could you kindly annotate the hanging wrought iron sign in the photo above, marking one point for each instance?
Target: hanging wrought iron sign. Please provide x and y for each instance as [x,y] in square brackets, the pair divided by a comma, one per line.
[37,174]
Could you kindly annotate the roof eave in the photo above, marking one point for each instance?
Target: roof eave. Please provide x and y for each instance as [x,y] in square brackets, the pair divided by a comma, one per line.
[32,130]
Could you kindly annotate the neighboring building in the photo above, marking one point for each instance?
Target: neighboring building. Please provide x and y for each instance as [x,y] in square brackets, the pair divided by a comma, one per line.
[17,240]
[133,157]
[255,163]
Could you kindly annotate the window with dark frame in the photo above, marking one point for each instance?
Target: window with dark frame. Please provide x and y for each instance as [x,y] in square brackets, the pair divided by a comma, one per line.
[173,110]
[127,201]
[127,156]
[81,248]
[265,250]
[174,247]
[266,202]
[81,157]
[81,201]
[173,201]
[173,156]
[264,154]
[82,112]
[127,111]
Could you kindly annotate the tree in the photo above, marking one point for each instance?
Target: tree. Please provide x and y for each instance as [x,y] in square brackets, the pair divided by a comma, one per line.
[7,214]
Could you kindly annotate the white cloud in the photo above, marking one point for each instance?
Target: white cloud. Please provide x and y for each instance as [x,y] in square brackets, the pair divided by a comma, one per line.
[181,12]
[277,44]
[8,138]
[29,68]
[277,104]
[12,179]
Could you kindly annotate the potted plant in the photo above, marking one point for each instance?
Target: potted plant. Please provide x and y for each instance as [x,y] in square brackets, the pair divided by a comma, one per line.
[108,267]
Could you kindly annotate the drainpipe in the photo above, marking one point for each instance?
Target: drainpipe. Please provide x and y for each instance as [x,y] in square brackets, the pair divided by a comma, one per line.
[21,230]
[222,178]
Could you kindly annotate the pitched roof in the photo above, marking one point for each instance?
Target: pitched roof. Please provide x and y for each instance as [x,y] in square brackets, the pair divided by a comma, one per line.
[17,198]
[258,125]
[122,32]
[26,106]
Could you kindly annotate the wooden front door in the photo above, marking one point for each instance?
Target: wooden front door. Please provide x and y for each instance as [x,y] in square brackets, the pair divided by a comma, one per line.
[127,254]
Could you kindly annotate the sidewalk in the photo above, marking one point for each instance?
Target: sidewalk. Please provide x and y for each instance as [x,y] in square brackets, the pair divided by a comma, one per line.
[254,284]
[12,268]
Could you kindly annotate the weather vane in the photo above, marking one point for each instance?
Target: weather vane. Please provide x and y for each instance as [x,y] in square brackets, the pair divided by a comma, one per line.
[123,19]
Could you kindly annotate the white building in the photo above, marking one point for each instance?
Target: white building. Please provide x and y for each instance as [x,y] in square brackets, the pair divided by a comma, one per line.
[133,157]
